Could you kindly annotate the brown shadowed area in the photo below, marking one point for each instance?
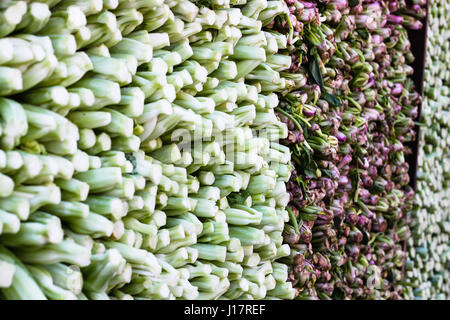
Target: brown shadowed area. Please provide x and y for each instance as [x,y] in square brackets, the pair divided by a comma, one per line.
[418,39]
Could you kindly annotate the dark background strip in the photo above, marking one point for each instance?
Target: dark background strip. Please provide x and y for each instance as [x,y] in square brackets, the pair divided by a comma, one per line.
[418,39]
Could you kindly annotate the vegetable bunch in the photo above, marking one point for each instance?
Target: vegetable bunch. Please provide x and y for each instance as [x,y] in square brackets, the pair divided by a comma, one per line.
[139,155]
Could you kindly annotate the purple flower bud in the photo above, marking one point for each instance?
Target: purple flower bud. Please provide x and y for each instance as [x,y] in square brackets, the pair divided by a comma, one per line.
[348,117]
[291,238]
[342,241]
[366,21]
[357,9]
[338,81]
[335,16]
[380,225]
[340,136]
[293,19]
[410,194]
[353,251]
[305,4]
[340,4]
[289,123]
[373,172]
[373,6]
[370,104]
[367,181]
[347,229]
[364,193]
[299,137]
[397,89]
[415,25]
[321,221]
[384,32]
[380,51]
[378,162]
[323,105]
[305,234]
[389,186]
[363,220]
[370,83]
[307,15]
[377,39]
[364,163]
[356,235]
[343,180]
[351,218]
[374,200]
[371,114]
[343,34]
[421,3]
[395,19]
[345,160]
[393,6]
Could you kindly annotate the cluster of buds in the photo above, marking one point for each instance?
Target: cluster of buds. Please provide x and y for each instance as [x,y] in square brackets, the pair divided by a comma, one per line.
[349,126]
